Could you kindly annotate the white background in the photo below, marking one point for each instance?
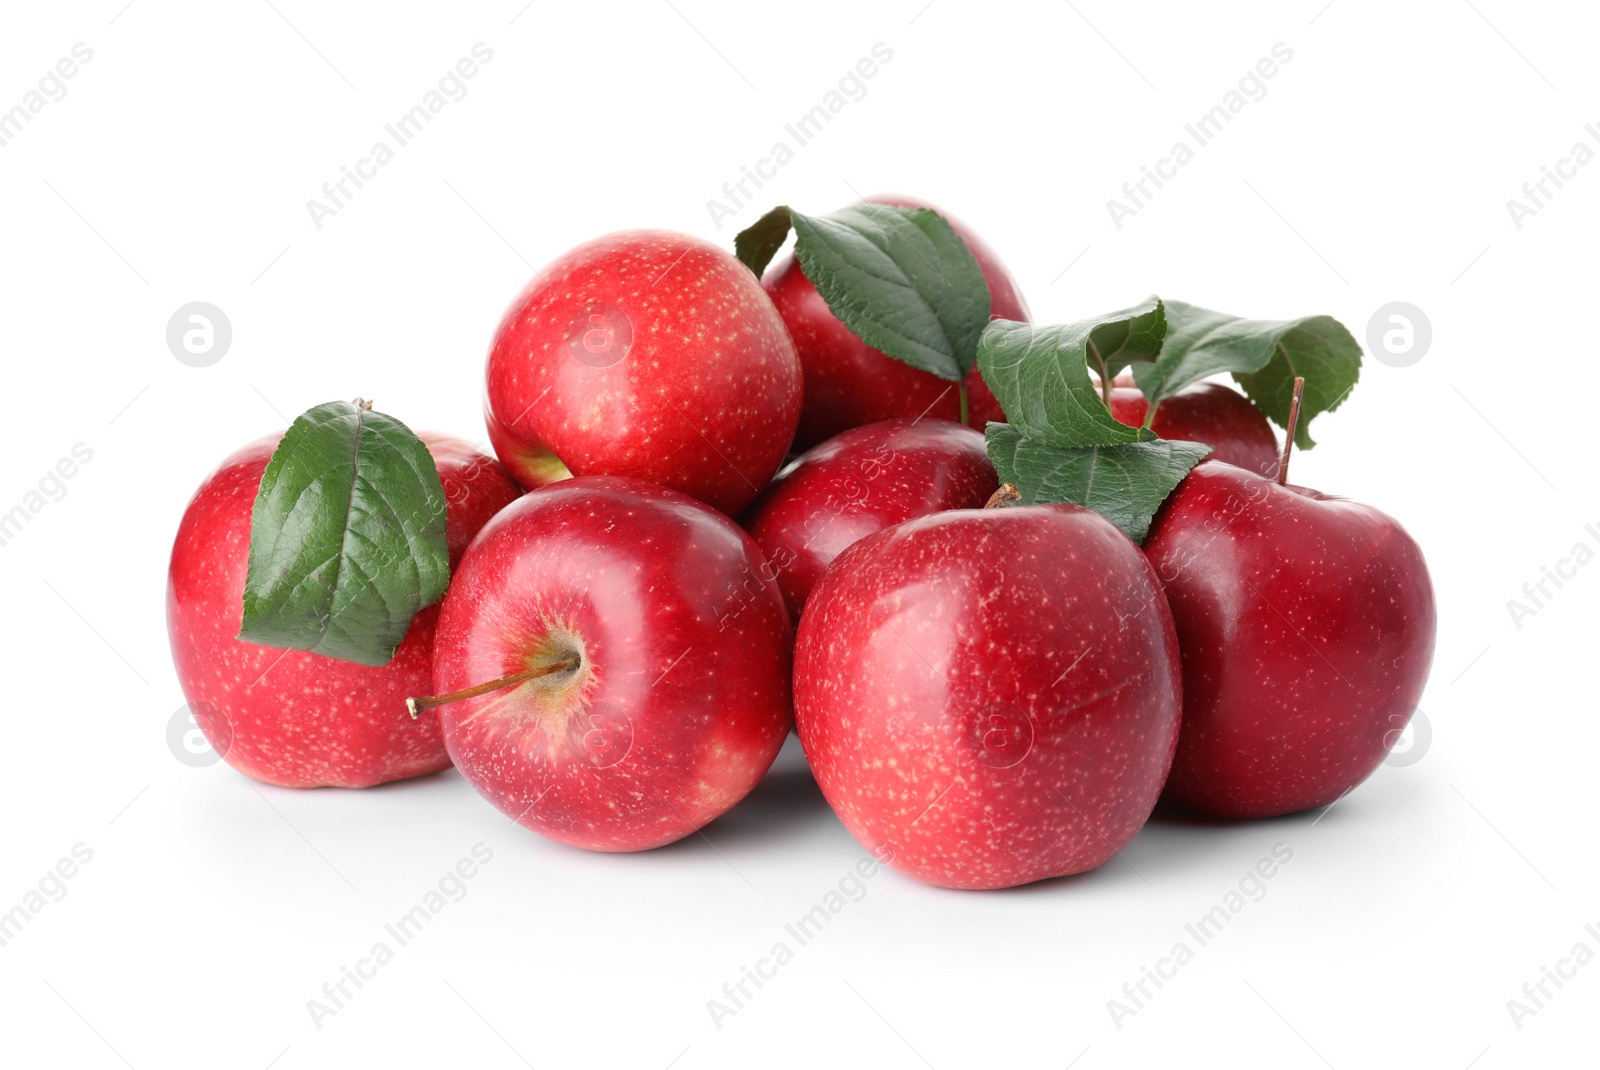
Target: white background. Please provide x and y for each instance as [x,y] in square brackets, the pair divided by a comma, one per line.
[1377,168]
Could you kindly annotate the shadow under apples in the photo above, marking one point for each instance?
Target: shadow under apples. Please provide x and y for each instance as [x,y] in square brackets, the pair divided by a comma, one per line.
[1177,841]
[395,787]
[1173,844]
[786,805]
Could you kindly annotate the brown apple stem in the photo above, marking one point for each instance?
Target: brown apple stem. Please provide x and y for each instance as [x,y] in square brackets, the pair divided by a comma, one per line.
[416,706]
[1288,436]
[1105,376]
[961,393]
[1007,494]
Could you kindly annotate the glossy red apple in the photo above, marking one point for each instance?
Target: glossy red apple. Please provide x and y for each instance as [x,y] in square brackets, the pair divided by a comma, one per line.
[1307,626]
[672,646]
[290,717]
[848,383]
[647,354]
[1222,418]
[990,697]
[860,482]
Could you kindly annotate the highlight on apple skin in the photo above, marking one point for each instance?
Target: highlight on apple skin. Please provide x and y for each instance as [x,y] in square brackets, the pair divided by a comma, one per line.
[291,717]
[859,482]
[673,644]
[990,697]
[648,354]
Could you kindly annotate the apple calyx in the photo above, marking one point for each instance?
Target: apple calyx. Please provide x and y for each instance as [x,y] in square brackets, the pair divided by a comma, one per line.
[1288,438]
[1005,495]
[417,706]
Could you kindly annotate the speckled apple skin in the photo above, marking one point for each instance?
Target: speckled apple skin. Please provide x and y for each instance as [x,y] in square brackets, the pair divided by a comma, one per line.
[646,354]
[990,697]
[682,699]
[1307,629]
[848,383]
[860,482]
[1222,418]
[289,717]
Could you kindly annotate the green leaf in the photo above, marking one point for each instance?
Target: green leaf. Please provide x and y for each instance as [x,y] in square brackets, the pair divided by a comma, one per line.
[900,278]
[1121,343]
[1040,375]
[757,244]
[1264,356]
[1124,483]
[347,537]
[1062,443]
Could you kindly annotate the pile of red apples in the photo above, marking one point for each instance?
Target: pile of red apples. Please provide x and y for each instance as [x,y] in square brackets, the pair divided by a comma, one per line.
[715,515]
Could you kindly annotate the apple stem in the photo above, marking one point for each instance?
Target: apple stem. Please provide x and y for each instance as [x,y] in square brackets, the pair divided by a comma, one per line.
[961,393]
[1105,376]
[417,706]
[1007,494]
[1288,435]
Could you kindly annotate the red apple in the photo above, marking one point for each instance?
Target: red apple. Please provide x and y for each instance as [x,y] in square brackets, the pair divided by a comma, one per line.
[1306,624]
[990,697]
[848,383]
[859,482]
[648,354]
[671,646]
[1212,413]
[290,717]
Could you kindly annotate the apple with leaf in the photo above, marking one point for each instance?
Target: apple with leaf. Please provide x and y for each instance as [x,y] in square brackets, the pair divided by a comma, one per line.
[1305,622]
